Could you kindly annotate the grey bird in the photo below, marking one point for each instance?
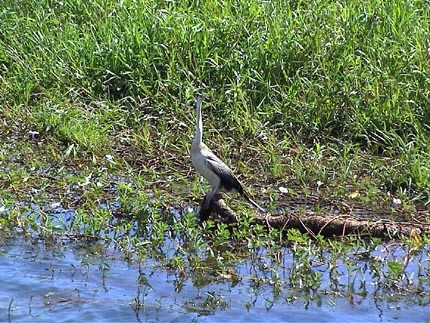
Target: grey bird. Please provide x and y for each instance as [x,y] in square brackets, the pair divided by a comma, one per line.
[213,169]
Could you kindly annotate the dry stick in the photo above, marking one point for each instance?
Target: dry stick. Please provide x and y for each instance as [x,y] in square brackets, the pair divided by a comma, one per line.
[307,229]
[327,223]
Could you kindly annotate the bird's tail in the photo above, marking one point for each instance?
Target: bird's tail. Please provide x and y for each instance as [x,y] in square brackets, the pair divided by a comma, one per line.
[250,200]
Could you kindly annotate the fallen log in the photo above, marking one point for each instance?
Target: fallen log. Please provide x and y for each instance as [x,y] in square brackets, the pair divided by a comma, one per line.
[325,225]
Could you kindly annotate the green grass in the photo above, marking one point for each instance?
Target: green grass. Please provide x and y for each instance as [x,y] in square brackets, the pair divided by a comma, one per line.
[297,92]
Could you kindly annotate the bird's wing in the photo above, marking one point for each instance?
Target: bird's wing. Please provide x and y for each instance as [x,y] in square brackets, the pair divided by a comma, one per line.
[228,180]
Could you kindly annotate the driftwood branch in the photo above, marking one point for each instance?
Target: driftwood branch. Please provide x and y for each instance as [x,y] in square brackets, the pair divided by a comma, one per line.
[328,225]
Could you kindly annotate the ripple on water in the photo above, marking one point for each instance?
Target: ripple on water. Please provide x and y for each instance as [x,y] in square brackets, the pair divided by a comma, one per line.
[55,282]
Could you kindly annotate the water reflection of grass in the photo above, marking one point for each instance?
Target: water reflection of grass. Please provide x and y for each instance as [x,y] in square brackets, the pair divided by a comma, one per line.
[388,277]
[319,105]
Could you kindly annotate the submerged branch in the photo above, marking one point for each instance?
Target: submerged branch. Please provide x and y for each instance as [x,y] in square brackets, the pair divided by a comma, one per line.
[326,225]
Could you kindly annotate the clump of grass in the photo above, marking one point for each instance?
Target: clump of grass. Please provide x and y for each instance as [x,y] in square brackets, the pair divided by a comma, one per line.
[311,73]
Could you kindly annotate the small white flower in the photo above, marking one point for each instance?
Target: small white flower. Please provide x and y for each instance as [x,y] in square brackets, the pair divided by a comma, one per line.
[33,134]
[109,158]
[283,189]
[396,201]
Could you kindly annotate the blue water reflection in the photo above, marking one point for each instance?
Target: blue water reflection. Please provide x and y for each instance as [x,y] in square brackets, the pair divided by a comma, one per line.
[70,282]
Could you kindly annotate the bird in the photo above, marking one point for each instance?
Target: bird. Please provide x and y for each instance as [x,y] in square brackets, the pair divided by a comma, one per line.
[220,177]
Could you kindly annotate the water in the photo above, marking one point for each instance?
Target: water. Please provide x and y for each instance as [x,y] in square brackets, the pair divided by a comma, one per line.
[50,281]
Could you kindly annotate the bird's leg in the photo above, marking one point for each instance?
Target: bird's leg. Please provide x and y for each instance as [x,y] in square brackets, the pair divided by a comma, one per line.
[208,198]
[204,211]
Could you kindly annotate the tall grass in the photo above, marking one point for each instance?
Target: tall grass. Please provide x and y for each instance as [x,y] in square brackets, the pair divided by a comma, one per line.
[307,71]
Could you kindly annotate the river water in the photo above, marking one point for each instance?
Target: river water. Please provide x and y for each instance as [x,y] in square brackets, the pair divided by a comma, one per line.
[59,281]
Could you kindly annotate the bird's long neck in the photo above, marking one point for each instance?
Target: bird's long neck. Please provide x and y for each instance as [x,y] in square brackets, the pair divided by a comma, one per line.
[198,137]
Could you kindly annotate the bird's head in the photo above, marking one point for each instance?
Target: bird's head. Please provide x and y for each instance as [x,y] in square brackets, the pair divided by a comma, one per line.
[199,100]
